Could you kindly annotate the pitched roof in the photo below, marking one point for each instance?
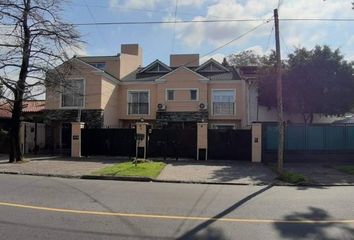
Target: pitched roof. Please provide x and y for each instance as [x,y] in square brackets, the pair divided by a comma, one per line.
[5,111]
[212,62]
[31,106]
[155,64]
[184,68]
[225,73]
[232,74]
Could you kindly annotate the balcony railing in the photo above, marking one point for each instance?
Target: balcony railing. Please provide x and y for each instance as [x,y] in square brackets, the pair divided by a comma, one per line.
[138,108]
[223,108]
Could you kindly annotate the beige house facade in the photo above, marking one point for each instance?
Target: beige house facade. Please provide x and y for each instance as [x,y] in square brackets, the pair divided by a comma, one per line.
[117,91]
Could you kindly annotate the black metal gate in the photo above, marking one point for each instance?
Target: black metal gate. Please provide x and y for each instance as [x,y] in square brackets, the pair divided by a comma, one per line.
[229,144]
[173,143]
[108,141]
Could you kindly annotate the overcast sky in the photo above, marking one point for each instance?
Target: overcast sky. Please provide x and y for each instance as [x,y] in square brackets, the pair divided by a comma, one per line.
[159,41]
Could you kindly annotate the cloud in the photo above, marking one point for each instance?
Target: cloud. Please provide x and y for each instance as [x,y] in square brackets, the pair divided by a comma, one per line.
[294,33]
[196,34]
[257,49]
[218,57]
[79,51]
[154,4]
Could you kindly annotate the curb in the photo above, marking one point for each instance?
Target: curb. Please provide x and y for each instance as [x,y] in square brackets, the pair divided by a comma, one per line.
[42,175]
[117,178]
[147,179]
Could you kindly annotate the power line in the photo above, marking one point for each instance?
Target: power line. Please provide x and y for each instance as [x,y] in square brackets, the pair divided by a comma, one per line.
[280,2]
[94,20]
[174,28]
[213,21]
[237,38]
[284,44]
[169,22]
[203,21]
[269,37]
[141,9]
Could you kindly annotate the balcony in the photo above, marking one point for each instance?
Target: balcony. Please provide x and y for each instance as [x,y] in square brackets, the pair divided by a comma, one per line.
[223,108]
[138,108]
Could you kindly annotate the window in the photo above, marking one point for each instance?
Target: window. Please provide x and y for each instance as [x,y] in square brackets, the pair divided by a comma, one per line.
[138,102]
[100,66]
[223,102]
[224,126]
[193,94]
[73,94]
[170,95]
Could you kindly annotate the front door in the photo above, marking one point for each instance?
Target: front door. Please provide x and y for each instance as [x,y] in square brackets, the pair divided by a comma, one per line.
[66,138]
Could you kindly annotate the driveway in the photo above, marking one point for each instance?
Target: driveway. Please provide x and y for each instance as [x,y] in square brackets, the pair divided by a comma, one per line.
[218,172]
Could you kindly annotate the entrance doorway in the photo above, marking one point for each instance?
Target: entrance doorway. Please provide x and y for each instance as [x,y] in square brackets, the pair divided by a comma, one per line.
[66,138]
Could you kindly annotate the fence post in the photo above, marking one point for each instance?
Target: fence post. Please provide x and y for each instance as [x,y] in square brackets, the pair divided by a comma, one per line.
[256,142]
[76,138]
[141,128]
[202,141]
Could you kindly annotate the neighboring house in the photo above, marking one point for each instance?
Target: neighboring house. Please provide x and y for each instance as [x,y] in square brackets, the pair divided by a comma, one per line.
[32,111]
[117,91]
[259,113]
[32,130]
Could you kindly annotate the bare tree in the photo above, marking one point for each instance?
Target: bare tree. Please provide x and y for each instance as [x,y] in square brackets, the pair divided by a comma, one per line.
[33,40]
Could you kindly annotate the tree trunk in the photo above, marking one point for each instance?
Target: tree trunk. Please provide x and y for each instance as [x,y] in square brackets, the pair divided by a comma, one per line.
[15,145]
[308,117]
[15,149]
[311,118]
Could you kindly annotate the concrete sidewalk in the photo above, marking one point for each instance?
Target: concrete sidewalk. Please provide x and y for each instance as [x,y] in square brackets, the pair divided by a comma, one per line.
[322,173]
[231,172]
[218,172]
[57,165]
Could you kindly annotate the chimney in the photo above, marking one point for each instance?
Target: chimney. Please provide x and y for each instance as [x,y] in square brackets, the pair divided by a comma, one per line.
[131,49]
[131,58]
[188,60]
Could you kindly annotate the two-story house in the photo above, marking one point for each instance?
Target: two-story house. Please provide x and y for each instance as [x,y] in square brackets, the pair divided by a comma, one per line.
[117,91]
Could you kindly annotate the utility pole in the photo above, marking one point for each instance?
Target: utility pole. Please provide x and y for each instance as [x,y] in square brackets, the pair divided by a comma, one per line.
[279,96]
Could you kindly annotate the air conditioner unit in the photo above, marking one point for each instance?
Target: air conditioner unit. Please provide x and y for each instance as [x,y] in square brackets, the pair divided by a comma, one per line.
[161,107]
[203,106]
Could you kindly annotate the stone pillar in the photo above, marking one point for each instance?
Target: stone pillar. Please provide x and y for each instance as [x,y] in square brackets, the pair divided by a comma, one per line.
[256,142]
[141,128]
[202,140]
[76,138]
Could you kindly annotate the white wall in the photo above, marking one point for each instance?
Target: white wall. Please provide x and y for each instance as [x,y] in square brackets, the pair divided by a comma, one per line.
[27,136]
[264,114]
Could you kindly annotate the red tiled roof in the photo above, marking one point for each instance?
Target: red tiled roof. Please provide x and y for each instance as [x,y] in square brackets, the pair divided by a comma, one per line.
[5,112]
[33,106]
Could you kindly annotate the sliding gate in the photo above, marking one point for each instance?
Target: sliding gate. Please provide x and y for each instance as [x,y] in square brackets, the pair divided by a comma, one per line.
[173,143]
[230,144]
[108,142]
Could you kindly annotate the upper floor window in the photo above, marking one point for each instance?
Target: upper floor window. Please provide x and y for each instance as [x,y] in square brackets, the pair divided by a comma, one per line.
[73,93]
[100,65]
[224,102]
[138,102]
[193,93]
[181,94]
[170,95]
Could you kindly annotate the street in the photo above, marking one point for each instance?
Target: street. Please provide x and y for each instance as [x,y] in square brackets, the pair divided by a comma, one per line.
[55,208]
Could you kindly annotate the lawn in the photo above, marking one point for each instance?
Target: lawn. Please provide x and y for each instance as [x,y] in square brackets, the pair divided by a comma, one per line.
[347,169]
[292,177]
[143,169]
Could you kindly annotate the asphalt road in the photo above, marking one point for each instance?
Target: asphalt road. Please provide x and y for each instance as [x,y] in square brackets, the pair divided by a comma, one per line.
[53,208]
